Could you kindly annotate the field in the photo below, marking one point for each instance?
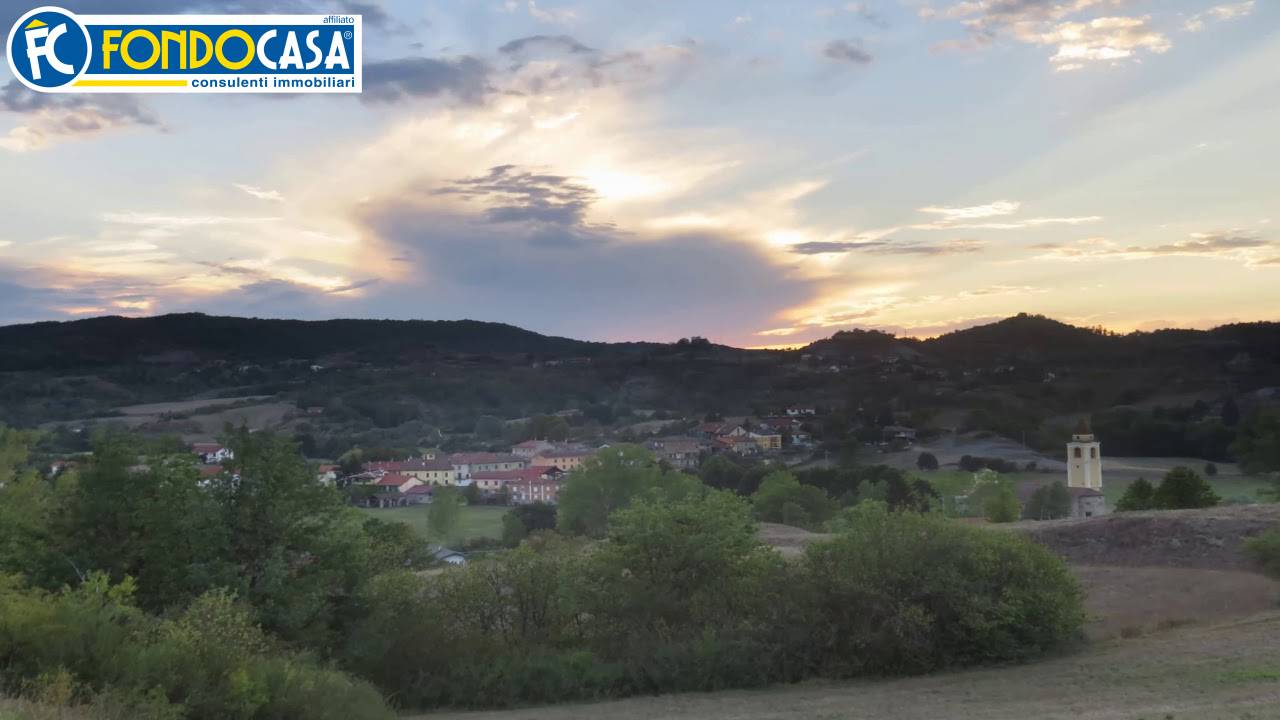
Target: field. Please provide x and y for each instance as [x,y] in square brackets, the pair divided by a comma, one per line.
[479,521]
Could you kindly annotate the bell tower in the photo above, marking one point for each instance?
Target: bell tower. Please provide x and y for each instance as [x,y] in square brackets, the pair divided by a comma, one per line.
[1084,458]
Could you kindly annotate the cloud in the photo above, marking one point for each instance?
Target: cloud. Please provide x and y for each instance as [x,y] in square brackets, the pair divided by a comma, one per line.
[998,208]
[885,247]
[49,118]
[1219,13]
[515,195]
[1102,39]
[1222,244]
[867,13]
[544,43]
[847,52]
[393,81]
[1062,24]
[980,217]
[261,194]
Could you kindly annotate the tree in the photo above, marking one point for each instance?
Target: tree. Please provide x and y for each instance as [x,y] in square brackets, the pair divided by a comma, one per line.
[513,530]
[1258,447]
[1210,470]
[547,427]
[1050,502]
[471,493]
[927,461]
[1184,488]
[444,513]
[1003,505]
[1230,412]
[784,499]
[610,480]
[1140,495]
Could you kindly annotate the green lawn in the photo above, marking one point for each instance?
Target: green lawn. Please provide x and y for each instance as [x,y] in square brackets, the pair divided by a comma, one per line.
[479,521]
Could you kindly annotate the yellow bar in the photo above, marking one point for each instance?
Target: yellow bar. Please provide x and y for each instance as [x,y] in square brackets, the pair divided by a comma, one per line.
[131,83]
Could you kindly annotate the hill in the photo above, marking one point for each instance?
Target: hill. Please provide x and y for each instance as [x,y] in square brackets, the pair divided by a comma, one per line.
[383,383]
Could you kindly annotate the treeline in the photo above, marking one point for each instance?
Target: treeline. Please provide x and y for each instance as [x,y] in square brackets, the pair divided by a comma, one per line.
[137,589]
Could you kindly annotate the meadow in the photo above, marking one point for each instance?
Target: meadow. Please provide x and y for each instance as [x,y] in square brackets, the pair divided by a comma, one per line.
[477,521]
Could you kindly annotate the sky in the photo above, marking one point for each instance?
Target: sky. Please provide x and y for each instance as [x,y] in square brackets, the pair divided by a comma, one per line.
[760,173]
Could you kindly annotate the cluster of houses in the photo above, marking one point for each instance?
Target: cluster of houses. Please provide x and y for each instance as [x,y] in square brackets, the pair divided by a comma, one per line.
[530,473]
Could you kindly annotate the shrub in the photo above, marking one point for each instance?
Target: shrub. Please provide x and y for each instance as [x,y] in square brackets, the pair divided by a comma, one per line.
[1002,506]
[1265,550]
[1210,470]
[927,461]
[908,593]
[1184,488]
[1140,495]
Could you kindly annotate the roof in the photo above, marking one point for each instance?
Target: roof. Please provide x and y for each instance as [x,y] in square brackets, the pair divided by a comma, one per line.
[206,448]
[566,452]
[328,468]
[411,465]
[479,458]
[419,490]
[529,473]
[1079,492]
[209,470]
[393,479]
[533,444]
[443,552]
[1082,427]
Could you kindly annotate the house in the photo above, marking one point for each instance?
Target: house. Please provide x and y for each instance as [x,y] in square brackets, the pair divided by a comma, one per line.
[212,453]
[531,448]
[432,472]
[395,483]
[768,440]
[447,556]
[898,432]
[493,481]
[739,444]
[1085,502]
[543,489]
[682,453]
[467,464]
[327,474]
[802,411]
[419,494]
[566,458]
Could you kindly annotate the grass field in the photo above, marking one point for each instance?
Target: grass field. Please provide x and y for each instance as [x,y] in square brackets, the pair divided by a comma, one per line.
[479,521]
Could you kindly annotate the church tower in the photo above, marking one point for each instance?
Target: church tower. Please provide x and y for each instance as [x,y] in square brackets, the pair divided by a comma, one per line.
[1084,458]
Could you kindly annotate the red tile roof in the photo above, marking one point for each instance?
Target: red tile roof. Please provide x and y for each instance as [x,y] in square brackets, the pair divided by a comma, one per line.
[479,458]
[205,448]
[393,479]
[419,490]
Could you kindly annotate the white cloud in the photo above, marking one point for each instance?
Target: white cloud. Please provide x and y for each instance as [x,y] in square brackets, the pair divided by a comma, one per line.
[1102,39]
[1000,207]
[260,193]
[1219,13]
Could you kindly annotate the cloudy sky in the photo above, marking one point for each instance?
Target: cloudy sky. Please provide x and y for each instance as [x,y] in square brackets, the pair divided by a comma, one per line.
[761,173]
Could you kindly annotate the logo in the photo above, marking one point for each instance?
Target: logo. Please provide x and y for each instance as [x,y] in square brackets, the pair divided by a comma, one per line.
[54,50]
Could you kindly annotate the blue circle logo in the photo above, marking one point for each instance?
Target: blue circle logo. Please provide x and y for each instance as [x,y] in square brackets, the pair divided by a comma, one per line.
[48,48]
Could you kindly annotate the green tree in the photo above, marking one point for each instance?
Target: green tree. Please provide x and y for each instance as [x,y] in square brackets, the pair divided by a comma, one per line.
[927,461]
[1258,447]
[1050,502]
[444,513]
[1140,495]
[609,481]
[513,530]
[1184,488]
[471,493]
[1002,506]
[547,427]
[784,499]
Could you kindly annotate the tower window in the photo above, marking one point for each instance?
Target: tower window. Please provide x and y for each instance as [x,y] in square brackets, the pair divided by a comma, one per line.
[1077,452]
[1093,452]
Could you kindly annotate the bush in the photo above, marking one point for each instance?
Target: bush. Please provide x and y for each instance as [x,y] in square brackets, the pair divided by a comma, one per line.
[927,461]
[908,593]
[1210,470]
[1265,550]
[1140,495]
[1183,488]
[1002,506]
[210,662]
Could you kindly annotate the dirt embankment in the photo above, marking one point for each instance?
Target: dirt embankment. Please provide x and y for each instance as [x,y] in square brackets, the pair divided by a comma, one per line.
[1211,539]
